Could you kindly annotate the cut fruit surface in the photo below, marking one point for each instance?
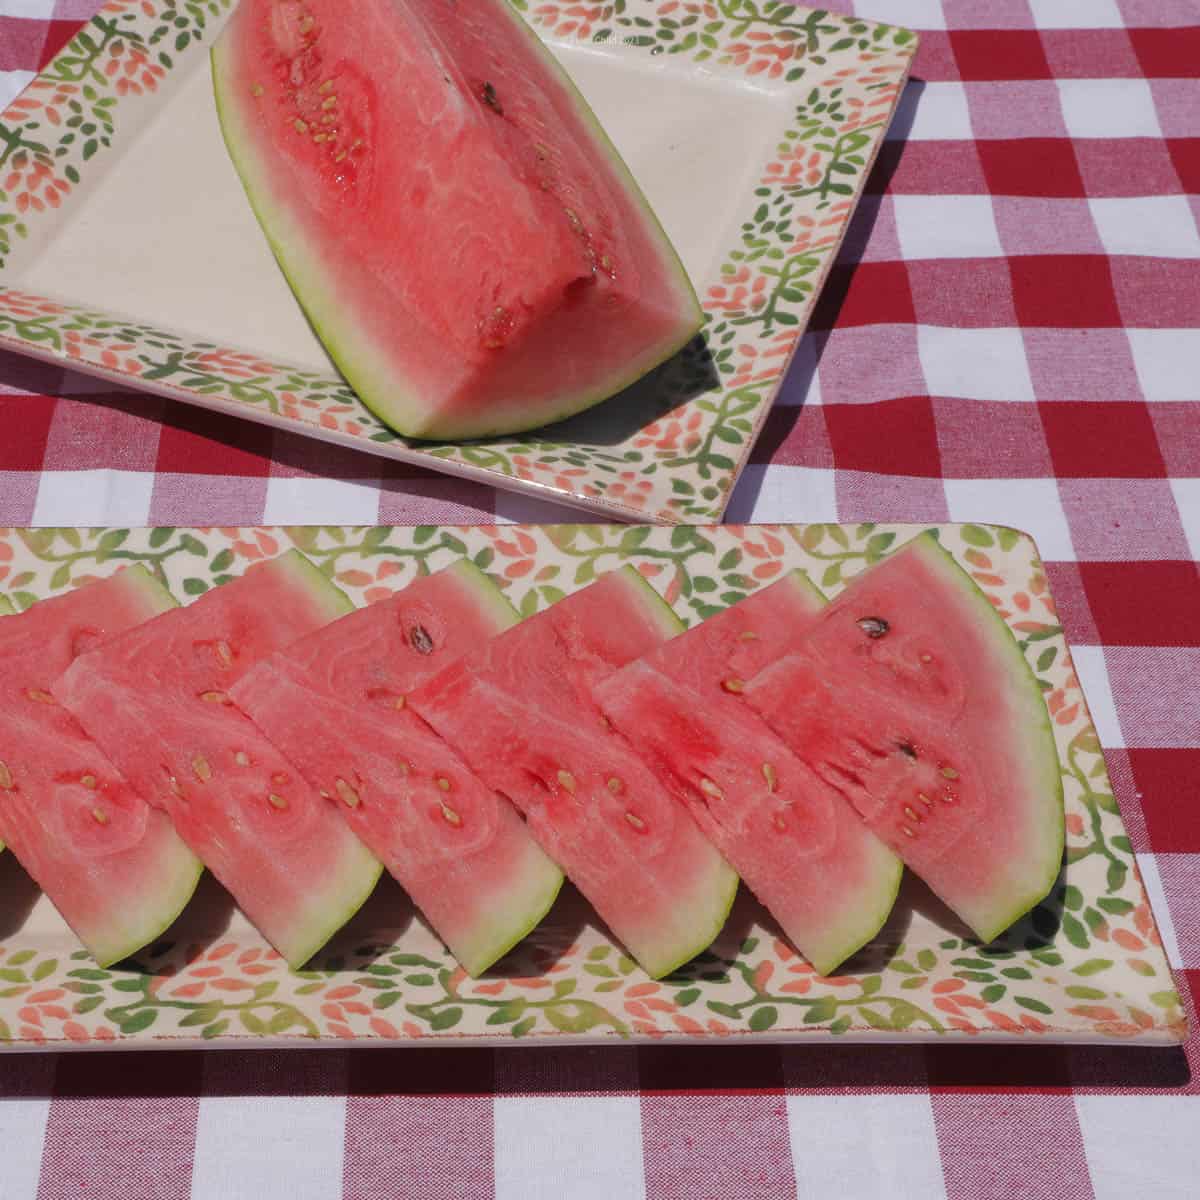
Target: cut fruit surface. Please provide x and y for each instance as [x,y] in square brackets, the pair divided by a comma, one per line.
[334,704]
[156,699]
[798,845]
[519,710]
[112,865]
[466,241]
[912,699]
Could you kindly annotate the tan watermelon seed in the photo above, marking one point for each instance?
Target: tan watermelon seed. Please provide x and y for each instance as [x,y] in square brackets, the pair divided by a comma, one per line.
[710,789]
[948,798]
[325,86]
[605,723]
[276,801]
[337,158]
[733,684]
[88,781]
[912,814]
[567,780]
[40,696]
[256,89]
[306,23]
[6,779]
[779,823]
[176,786]
[924,799]
[615,786]
[329,102]
[450,816]
[949,773]
[904,829]
[224,654]
[400,701]
[747,635]
[770,775]
[927,658]
[202,769]
[443,783]
[418,636]
[348,795]
[279,778]
[403,765]
[214,697]
[300,126]
[242,758]
[635,821]
[100,816]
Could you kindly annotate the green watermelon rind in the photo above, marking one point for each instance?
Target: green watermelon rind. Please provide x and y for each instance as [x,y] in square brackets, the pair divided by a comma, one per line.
[662,614]
[485,592]
[371,383]
[322,590]
[1037,732]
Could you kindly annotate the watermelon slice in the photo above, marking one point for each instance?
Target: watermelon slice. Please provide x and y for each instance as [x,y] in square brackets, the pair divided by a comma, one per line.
[802,850]
[113,866]
[156,699]
[910,696]
[519,710]
[464,238]
[460,850]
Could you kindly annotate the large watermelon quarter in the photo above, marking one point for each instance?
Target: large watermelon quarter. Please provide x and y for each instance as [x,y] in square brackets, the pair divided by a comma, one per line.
[334,704]
[465,240]
[802,850]
[112,865]
[156,699]
[910,697]
[520,711]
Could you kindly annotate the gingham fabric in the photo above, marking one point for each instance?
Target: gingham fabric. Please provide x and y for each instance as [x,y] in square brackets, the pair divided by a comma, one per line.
[1012,334]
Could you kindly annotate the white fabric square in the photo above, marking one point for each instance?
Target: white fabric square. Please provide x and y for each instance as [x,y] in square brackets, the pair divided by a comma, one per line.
[1167,362]
[802,384]
[1187,501]
[291,1146]
[1097,691]
[912,14]
[298,500]
[782,494]
[941,114]
[1076,14]
[12,83]
[947,227]
[974,364]
[36,10]
[1108,108]
[23,1135]
[584,1147]
[1031,505]
[873,1145]
[1162,226]
[1155,893]
[1141,1145]
[100,497]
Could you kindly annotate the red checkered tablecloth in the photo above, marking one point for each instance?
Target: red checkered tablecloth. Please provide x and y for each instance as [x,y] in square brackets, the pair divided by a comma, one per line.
[1012,334]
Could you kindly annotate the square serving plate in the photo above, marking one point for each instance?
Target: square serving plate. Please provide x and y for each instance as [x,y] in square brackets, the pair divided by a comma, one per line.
[1086,966]
[127,248]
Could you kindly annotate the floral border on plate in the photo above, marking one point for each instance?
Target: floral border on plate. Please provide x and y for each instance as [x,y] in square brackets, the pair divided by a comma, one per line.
[1087,965]
[706,408]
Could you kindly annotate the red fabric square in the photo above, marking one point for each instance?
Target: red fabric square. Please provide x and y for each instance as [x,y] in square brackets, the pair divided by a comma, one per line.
[1168,782]
[964,293]
[794,437]
[194,442]
[1071,603]
[935,59]
[58,34]
[1185,156]
[866,293]
[1157,293]
[934,168]
[1064,291]
[1143,604]
[978,439]
[1090,54]
[27,422]
[21,43]
[891,437]
[1178,437]
[1102,440]
[985,54]
[1126,167]
[1030,167]
[1167,53]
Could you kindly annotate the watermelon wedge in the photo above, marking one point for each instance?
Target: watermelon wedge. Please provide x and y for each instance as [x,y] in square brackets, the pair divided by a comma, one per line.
[334,705]
[802,850]
[519,710]
[911,698]
[113,866]
[156,699]
[465,240]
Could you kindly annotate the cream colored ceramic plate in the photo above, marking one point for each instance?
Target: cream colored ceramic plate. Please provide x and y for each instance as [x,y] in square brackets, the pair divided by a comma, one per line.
[128,249]
[1085,966]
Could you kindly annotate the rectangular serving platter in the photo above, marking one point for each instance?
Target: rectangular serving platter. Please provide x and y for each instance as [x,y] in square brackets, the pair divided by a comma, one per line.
[128,251]
[1086,966]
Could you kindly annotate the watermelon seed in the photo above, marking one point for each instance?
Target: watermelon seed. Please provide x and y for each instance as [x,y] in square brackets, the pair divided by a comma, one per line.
[949,773]
[733,684]
[948,798]
[567,780]
[214,697]
[636,821]
[329,102]
[873,627]
[924,799]
[605,723]
[404,767]
[306,23]
[907,749]
[6,779]
[927,658]
[491,99]
[329,119]
[325,86]
[88,781]
[320,137]
[40,696]
[279,778]
[175,785]
[443,783]
[747,635]
[779,823]
[904,829]
[277,801]
[224,654]
[201,767]
[771,776]
[349,796]
[242,758]
[420,640]
[912,814]
[256,90]
[615,786]
[450,816]
[300,126]
[337,158]
[710,789]
[100,816]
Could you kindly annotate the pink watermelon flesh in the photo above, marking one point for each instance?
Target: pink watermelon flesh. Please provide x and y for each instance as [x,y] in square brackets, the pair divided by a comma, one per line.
[113,866]
[465,240]
[156,700]
[802,850]
[333,703]
[519,711]
[911,698]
